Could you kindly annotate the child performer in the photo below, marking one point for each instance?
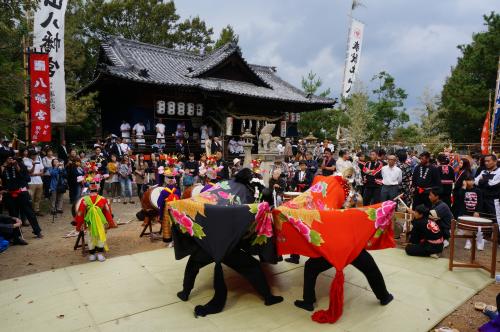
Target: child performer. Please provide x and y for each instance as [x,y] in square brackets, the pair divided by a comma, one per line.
[170,192]
[94,214]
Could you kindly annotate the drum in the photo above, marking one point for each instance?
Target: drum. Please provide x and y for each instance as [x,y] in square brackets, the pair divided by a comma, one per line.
[289,195]
[474,219]
[197,188]
[155,194]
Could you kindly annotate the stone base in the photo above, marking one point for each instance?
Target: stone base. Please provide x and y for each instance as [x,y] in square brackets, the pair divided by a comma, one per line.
[266,164]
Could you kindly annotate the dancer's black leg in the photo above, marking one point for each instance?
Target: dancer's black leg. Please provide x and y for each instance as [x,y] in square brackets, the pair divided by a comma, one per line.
[249,267]
[217,303]
[313,267]
[196,261]
[365,263]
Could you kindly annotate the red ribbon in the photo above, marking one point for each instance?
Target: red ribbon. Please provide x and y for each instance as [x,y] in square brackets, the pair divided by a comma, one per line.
[334,311]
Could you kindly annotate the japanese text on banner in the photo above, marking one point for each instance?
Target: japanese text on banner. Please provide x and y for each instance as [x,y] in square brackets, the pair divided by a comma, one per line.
[353,56]
[49,38]
[40,97]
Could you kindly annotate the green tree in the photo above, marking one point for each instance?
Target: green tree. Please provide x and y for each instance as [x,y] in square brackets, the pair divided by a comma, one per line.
[322,122]
[12,29]
[227,35]
[358,116]
[387,111]
[465,94]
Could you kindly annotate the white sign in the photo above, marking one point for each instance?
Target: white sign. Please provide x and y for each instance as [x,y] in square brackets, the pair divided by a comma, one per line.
[49,38]
[353,55]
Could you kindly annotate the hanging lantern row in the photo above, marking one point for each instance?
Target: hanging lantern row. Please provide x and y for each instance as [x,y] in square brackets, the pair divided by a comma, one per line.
[292,117]
[169,108]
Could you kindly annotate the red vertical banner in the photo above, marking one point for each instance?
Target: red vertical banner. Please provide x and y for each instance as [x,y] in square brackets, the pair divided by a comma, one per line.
[485,135]
[40,97]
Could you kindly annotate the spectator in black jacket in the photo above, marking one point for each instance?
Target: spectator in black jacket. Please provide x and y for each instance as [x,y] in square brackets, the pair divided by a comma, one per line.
[447,177]
[372,174]
[489,183]
[62,152]
[440,212]
[303,178]
[425,176]
[469,202]
[15,179]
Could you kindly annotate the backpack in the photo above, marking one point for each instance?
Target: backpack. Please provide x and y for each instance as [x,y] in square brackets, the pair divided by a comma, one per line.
[62,184]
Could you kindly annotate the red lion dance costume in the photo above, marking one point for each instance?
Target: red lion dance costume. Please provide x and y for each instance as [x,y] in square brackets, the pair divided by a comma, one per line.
[314,225]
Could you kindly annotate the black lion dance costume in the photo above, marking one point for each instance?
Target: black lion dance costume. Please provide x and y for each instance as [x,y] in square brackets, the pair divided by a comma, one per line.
[226,224]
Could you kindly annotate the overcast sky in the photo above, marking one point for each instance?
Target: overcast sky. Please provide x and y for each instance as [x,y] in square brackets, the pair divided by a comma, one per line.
[415,41]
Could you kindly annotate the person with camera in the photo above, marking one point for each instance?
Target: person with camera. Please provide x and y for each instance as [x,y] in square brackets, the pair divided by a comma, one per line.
[15,179]
[58,185]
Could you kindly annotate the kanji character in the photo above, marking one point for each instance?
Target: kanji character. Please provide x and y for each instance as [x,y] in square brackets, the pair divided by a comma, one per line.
[354,58]
[356,46]
[45,23]
[57,4]
[39,82]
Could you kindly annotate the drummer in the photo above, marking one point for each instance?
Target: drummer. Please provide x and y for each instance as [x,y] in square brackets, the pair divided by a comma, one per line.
[170,192]
[469,201]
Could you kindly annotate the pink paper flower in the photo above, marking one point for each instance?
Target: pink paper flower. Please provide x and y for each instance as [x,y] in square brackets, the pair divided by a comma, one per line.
[384,214]
[301,227]
[317,188]
[264,221]
[183,220]
[223,194]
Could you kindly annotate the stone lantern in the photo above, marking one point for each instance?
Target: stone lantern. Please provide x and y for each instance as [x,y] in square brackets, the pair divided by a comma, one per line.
[310,142]
[247,147]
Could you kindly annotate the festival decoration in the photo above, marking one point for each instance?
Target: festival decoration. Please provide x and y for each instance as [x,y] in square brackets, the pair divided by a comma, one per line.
[171,108]
[160,107]
[40,97]
[48,37]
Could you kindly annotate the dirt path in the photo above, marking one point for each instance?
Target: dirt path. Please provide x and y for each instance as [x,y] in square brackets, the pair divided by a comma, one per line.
[54,252]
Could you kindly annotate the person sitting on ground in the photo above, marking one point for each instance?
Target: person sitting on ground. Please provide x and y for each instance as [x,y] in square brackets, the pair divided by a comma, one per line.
[469,202]
[443,213]
[10,230]
[426,238]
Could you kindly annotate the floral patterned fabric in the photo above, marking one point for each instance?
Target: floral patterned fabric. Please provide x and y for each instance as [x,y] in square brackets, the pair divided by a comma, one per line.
[219,218]
[313,225]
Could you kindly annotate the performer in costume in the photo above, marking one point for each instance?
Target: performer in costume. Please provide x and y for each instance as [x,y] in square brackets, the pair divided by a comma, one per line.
[239,259]
[364,262]
[170,192]
[372,172]
[94,214]
[425,176]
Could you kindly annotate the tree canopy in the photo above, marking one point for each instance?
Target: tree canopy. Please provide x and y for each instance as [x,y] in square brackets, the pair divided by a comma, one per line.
[465,94]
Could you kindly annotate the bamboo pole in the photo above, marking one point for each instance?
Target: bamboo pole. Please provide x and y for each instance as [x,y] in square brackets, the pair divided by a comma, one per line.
[26,93]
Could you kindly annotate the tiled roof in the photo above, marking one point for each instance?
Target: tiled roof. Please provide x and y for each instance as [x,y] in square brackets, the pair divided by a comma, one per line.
[148,63]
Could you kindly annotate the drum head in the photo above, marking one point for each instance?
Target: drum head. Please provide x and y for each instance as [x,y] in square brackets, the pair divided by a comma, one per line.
[155,194]
[474,219]
[196,189]
[292,193]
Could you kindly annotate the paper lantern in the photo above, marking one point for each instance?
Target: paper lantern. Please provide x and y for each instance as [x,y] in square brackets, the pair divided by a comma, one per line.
[297,117]
[199,109]
[171,108]
[283,128]
[160,107]
[181,109]
[229,126]
[190,109]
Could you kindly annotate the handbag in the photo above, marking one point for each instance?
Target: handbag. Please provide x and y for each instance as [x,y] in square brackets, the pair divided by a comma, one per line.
[62,184]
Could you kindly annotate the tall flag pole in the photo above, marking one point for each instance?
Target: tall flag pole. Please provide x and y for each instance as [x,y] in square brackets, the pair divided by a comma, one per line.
[353,52]
[496,107]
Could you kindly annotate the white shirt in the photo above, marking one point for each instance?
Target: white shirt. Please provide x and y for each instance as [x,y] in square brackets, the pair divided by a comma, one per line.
[47,163]
[125,129]
[391,176]
[124,147]
[38,169]
[491,182]
[160,130]
[342,164]
[139,129]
